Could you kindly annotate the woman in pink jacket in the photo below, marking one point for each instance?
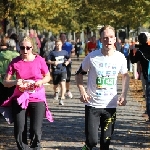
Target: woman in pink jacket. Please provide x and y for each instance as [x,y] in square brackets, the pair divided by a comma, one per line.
[29,96]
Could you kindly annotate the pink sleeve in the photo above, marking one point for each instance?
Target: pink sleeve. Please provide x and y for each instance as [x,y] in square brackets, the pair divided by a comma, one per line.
[10,69]
[44,67]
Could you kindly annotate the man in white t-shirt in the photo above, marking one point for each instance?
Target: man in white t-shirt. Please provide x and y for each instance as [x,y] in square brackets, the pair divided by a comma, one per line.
[101,97]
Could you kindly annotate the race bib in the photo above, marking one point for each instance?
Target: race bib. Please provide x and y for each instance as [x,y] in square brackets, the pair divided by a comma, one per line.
[60,59]
[105,82]
[28,86]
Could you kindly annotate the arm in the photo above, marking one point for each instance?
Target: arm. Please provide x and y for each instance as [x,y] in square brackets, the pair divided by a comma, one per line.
[79,81]
[9,83]
[50,58]
[68,59]
[73,49]
[46,78]
[52,62]
[125,82]
[125,85]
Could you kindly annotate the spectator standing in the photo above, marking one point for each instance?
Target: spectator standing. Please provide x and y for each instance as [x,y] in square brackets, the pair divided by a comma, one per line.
[36,42]
[49,46]
[78,48]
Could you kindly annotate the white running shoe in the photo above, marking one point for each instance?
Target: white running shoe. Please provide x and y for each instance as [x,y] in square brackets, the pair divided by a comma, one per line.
[61,102]
[69,94]
[56,96]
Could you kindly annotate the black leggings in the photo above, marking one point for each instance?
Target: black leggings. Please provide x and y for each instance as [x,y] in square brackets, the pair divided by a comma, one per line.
[95,118]
[128,62]
[36,111]
[68,68]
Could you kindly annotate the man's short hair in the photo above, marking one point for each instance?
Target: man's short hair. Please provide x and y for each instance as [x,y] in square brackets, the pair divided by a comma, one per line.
[62,33]
[58,40]
[104,28]
[142,38]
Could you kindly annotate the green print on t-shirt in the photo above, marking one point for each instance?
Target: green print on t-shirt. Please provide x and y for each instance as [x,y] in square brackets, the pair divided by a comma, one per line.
[103,82]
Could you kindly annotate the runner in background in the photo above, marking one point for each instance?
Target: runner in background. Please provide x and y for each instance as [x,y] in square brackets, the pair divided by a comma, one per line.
[59,59]
[67,46]
[92,44]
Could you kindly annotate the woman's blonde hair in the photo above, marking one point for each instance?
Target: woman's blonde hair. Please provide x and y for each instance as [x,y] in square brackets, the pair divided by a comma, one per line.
[28,39]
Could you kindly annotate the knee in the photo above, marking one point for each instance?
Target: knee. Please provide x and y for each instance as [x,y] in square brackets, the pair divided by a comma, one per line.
[36,131]
[92,142]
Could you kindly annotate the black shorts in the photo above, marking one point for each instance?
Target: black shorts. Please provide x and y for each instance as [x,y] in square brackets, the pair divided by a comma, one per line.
[68,68]
[57,78]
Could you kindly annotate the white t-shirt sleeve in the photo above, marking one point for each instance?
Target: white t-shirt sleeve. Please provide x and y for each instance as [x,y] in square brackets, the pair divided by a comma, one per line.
[86,63]
[123,68]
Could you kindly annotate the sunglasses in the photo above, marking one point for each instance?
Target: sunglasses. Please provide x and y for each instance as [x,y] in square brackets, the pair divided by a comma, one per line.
[25,47]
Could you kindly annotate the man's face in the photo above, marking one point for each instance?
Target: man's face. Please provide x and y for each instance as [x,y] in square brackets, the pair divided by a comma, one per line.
[93,39]
[31,31]
[63,37]
[58,45]
[108,39]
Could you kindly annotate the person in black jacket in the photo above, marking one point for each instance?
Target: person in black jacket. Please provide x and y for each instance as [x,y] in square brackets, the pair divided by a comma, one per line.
[78,45]
[143,56]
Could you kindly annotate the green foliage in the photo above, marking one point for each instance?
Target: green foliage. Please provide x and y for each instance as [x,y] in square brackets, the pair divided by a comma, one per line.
[65,15]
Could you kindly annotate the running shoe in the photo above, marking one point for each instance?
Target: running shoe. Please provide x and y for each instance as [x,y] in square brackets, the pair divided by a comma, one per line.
[85,147]
[61,102]
[56,96]
[68,94]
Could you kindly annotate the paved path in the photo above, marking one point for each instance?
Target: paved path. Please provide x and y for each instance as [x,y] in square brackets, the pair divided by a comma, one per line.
[67,131]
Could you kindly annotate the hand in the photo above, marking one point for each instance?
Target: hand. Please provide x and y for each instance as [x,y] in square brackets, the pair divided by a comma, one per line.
[55,63]
[66,63]
[19,82]
[85,98]
[73,50]
[122,101]
[39,83]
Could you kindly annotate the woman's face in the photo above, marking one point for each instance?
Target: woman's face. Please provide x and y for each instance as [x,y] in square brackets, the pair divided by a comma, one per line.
[26,49]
